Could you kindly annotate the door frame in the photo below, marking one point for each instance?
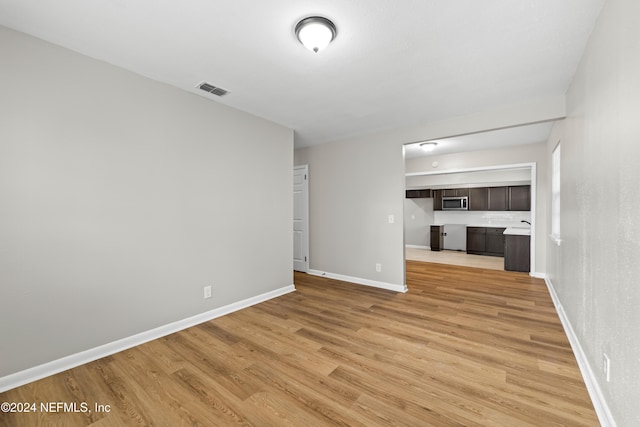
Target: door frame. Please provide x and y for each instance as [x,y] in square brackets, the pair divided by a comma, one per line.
[534,192]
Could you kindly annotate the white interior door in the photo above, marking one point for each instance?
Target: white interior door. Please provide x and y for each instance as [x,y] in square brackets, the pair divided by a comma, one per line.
[301,218]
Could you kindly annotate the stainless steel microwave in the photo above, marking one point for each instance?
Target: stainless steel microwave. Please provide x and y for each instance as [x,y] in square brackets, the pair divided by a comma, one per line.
[455,203]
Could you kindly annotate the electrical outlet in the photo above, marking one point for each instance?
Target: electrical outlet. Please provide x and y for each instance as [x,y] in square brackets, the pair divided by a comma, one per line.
[606,366]
[378,268]
[207,292]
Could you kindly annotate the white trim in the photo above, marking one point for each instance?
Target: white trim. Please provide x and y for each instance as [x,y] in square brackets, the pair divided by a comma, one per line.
[472,169]
[360,281]
[597,398]
[418,247]
[50,368]
[534,216]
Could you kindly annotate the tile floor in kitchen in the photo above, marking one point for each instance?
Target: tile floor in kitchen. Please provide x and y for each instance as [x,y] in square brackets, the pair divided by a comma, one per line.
[455,258]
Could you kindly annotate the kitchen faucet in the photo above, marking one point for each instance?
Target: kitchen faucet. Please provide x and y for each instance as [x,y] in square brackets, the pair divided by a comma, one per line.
[526,222]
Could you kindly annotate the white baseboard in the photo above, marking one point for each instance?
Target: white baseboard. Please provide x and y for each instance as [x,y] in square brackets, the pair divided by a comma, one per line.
[360,281]
[417,247]
[538,275]
[597,398]
[56,366]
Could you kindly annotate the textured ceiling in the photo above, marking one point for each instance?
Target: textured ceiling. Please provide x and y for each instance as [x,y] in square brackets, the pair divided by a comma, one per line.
[393,64]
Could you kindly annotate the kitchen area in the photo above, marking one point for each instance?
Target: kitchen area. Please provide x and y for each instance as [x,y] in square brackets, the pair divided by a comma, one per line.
[471,215]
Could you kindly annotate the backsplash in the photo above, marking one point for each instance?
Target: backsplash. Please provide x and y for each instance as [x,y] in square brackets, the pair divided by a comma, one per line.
[488,218]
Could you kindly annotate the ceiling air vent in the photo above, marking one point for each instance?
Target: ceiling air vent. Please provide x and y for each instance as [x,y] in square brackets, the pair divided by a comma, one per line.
[218,91]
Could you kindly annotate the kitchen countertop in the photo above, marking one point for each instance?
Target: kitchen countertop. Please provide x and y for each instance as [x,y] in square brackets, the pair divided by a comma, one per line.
[510,228]
[518,231]
[495,225]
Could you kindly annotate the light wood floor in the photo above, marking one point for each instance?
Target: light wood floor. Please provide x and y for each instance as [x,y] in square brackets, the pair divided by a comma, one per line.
[464,346]
[454,258]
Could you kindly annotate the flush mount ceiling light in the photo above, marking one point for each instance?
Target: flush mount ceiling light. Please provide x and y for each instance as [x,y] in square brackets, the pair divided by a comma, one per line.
[428,146]
[315,32]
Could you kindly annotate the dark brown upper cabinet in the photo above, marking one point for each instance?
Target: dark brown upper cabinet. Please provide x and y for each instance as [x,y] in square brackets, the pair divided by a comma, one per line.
[479,199]
[498,199]
[512,198]
[520,198]
[437,200]
[455,192]
[418,194]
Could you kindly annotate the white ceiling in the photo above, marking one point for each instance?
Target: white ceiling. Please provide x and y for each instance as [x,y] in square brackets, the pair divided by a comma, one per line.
[393,64]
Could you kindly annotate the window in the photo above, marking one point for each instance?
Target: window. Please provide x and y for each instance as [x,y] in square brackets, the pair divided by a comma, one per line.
[555,194]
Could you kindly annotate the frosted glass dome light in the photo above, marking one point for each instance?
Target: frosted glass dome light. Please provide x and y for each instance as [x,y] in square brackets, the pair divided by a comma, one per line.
[315,33]
[428,146]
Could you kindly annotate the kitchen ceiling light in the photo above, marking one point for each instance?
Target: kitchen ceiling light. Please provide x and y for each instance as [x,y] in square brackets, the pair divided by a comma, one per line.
[428,146]
[315,33]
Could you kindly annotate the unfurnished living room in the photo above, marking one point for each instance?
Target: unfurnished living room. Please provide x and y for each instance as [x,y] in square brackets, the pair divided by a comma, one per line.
[412,213]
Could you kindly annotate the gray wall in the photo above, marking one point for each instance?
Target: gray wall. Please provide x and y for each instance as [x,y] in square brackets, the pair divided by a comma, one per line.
[418,216]
[595,271]
[121,198]
[353,187]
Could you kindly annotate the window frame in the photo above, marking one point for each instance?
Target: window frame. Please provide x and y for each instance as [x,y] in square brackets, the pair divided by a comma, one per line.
[556,187]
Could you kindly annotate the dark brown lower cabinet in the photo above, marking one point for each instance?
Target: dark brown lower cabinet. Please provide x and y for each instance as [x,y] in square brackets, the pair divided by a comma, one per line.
[495,241]
[485,241]
[476,240]
[517,253]
[437,237]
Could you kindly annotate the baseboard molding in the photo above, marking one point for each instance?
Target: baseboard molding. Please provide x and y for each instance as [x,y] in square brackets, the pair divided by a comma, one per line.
[417,247]
[56,366]
[360,281]
[599,403]
[538,275]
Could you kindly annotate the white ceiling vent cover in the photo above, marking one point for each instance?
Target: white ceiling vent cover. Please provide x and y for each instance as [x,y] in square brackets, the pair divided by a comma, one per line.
[218,91]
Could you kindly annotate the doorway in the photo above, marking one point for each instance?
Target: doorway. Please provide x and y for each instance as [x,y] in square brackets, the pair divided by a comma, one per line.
[455,169]
[491,176]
